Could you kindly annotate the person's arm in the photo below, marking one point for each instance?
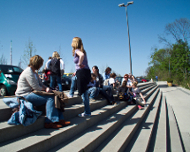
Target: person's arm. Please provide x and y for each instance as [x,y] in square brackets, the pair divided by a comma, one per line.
[81,58]
[130,92]
[44,88]
[62,65]
[74,74]
[47,64]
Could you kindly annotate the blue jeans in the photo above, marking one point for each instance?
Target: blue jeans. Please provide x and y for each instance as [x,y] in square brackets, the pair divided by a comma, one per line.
[72,89]
[86,102]
[52,114]
[93,91]
[109,90]
[52,81]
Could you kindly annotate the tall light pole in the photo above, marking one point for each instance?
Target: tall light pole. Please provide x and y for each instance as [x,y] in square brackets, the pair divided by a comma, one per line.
[11,53]
[130,58]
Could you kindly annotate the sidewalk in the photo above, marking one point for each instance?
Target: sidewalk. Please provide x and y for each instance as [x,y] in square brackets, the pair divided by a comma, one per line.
[179,99]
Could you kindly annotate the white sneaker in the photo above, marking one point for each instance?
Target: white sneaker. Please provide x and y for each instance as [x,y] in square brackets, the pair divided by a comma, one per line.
[69,96]
[139,102]
[84,115]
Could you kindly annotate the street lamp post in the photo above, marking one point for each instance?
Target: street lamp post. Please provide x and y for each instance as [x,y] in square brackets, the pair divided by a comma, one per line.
[130,58]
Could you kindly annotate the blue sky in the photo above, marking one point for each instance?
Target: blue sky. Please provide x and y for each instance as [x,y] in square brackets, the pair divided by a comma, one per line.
[101,24]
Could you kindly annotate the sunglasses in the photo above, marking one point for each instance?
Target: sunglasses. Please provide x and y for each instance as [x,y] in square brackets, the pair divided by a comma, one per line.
[125,77]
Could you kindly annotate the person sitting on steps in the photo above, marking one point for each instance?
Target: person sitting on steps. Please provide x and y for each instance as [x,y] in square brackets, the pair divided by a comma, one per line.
[28,81]
[137,95]
[105,91]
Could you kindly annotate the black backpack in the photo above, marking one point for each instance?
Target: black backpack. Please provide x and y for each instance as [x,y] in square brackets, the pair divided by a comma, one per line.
[122,94]
[55,66]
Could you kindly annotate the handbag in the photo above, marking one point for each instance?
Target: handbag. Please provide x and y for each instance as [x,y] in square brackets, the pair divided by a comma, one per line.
[60,98]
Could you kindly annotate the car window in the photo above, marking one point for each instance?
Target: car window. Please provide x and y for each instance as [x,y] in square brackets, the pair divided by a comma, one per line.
[11,70]
[17,69]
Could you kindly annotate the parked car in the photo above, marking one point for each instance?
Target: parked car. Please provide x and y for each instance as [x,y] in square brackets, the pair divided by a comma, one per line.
[8,79]
[144,80]
[119,79]
[68,74]
[66,81]
[139,80]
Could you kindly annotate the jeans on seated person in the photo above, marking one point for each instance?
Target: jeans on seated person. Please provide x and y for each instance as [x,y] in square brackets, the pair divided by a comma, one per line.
[86,102]
[109,90]
[52,114]
[72,89]
[93,92]
[110,99]
[53,78]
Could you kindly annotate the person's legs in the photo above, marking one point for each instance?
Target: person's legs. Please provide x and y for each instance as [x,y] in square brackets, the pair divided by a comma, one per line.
[93,91]
[52,81]
[86,102]
[109,90]
[72,89]
[52,114]
[58,78]
[105,95]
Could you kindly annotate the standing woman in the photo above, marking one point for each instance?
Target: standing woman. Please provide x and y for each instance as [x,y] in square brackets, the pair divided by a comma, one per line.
[57,66]
[28,81]
[83,73]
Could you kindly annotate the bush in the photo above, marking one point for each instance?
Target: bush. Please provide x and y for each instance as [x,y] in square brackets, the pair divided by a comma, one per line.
[169,80]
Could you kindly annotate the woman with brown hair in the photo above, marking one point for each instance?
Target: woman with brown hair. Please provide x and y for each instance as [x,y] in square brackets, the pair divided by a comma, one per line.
[106,74]
[29,81]
[83,73]
[112,80]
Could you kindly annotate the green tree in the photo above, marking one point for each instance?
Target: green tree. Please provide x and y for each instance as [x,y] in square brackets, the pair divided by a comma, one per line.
[180,59]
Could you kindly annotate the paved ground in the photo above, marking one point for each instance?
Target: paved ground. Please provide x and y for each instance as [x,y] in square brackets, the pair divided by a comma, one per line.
[179,99]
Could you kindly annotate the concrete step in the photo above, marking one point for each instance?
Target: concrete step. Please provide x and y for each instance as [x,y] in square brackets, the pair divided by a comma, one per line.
[175,141]
[145,86]
[123,135]
[145,83]
[8,132]
[96,136]
[45,139]
[49,136]
[160,140]
[142,138]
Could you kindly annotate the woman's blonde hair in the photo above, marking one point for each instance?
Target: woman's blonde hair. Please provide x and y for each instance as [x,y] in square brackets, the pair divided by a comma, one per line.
[77,44]
[135,83]
[36,62]
[56,55]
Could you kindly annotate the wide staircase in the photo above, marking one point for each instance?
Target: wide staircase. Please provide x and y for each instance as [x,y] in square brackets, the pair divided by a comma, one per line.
[111,128]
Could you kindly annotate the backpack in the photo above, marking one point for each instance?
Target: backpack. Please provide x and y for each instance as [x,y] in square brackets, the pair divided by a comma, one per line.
[55,66]
[106,82]
[122,94]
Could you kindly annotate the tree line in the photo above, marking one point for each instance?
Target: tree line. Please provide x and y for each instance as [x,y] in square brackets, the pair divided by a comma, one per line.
[173,61]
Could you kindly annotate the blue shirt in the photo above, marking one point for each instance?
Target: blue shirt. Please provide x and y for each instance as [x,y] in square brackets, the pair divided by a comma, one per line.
[105,76]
